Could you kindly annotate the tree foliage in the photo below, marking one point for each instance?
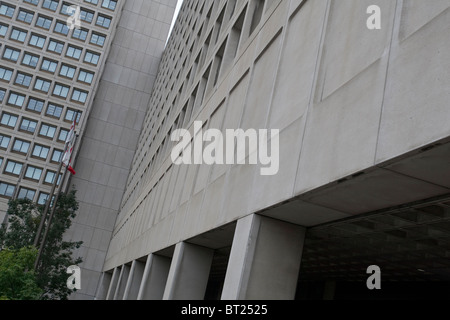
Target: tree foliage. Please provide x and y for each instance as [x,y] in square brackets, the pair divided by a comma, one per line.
[17,278]
[24,220]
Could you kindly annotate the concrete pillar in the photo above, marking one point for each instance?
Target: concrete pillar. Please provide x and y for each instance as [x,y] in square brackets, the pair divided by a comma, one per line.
[102,290]
[154,278]
[189,272]
[113,285]
[134,280]
[122,282]
[264,261]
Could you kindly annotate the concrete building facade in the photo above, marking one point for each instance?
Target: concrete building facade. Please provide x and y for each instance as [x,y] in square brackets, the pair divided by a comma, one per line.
[105,71]
[363,179]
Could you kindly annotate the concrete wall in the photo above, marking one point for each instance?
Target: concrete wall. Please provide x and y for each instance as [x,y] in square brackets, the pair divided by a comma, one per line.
[113,130]
[346,99]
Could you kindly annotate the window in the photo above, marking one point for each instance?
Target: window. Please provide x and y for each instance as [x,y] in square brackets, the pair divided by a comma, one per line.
[1,161]
[42,85]
[54,111]
[74,52]
[37,41]
[11,54]
[7,190]
[80,34]
[55,46]
[18,35]
[35,105]
[98,39]
[5,74]
[9,120]
[103,21]
[95,2]
[25,193]
[61,90]
[4,141]
[16,99]
[110,4]
[85,76]
[63,135]
[40,151]
[33,173]
[86,15]
[44,22]
[70,115]
[21,146]
[30,60]
[28,125]
[23,79]
[47,130]
[65,9]
[35,2]
[61,27]
[7,10]
[49,65]
[67,71]
[91,57]
[42,198]
[57,155]
[3,29]
[79,95]
[13,167]
[2,94]
[25,16]
[50,177]
[50,4]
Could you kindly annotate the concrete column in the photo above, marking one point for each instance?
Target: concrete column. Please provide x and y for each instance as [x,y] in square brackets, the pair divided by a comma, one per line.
[102,290]
[134,280]
[122,282]
[113,285]
[154,278]
[189,272]
[264,260]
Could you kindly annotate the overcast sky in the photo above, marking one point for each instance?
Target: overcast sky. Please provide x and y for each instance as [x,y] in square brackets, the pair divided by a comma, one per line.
[177,9]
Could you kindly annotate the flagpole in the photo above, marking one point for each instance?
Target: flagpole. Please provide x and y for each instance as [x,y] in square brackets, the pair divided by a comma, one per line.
[49,200]
[52,212]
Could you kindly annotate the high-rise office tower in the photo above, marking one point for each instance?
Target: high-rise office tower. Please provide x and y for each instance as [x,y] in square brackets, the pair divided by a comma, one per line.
[358,92]
[103,71]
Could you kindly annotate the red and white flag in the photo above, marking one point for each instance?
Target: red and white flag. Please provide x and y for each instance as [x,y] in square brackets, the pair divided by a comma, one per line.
[67,158]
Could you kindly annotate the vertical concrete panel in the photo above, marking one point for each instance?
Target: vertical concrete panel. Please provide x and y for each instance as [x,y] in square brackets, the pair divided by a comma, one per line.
[102,290]
[189,272]
[113,284]
[154,278]
[264,261]
[134,280]
[122,282]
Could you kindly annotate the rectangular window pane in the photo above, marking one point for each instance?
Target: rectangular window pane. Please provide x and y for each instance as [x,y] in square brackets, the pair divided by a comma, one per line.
[50,4]
[54,111]
[5,74]
[4,141]
[23,79]
[35,105]
[30,60]
[7,10]
[18,35]
[16,99]
[55,46]
[7,190]
[26,194]
[61,91]
[21,146]
[13,167]
[25,16]
[44,22]
[11,54]
[28,125]
[40,151]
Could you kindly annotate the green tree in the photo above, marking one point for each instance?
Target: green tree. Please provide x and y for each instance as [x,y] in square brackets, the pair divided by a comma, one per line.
[17,278]
[24,219]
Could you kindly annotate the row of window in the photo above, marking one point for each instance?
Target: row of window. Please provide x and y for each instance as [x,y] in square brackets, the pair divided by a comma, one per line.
[66,71]
[39,152]
[66,9]
[53,4]
[42,85]
[54,46]
[32,173]
[26,125]
[7,190]
[38,40]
